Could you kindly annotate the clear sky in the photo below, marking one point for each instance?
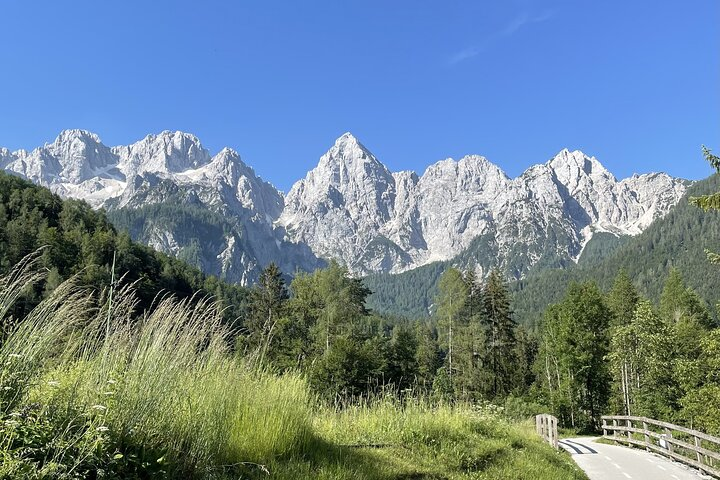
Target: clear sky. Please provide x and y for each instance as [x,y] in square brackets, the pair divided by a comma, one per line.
[635,83]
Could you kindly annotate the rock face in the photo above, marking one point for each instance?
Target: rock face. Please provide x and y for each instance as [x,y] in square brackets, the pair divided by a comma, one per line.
[215,212]
[352,208]
[171,194]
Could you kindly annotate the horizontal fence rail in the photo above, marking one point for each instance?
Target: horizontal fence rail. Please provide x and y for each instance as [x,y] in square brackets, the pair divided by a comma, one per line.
[546,427]
[691,447]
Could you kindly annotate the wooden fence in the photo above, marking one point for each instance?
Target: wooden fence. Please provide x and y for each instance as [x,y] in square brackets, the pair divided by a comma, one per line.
[691,447]
[546,426]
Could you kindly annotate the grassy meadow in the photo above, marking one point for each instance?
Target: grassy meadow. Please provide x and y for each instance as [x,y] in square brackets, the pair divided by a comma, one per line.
[92,389]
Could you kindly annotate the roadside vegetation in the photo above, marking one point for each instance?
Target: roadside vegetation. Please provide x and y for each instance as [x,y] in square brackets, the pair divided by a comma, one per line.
[92,389]
[134,376]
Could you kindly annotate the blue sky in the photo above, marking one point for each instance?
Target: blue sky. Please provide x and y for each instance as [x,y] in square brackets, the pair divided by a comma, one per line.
[635,83]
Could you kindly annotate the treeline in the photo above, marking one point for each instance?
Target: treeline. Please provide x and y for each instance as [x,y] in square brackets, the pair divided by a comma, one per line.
[79,241]
[622,354]
[592,352]
[619,353]
[677,240]
[471,350]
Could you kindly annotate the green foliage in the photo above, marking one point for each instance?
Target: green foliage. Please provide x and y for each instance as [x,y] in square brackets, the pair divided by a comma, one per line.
[89,391]
[80,242]
[267,304]
[452,296]
[500,337]
[702,403]
[409,294]
[572,371]
[642,359]
[680,240]
[680,303]
[601,246]
[622,299]
[710,201]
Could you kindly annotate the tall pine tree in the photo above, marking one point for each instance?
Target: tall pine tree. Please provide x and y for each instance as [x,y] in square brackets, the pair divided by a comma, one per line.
[267,304]
[500,334]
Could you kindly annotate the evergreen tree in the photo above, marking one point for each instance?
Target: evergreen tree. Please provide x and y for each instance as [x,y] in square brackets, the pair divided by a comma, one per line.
[679,303]
[451,302]
[622,299]
[267,308]
[469,376]
[402,362]
[427,356]
[500,334]
[712,201]
[702,403]
[525,354]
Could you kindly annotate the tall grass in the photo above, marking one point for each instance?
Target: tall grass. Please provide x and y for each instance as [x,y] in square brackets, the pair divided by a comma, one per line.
[90,389]
[163,382]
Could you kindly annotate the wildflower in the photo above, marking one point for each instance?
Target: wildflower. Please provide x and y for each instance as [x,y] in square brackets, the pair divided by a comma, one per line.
[102,428]
[111,382]
[108,393]
[53,383]
[102,408]
[15,414]
[7,388]
[14,355]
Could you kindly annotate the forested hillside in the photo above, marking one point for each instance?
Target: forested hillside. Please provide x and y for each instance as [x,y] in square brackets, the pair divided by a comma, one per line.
[677,240]
[77,240]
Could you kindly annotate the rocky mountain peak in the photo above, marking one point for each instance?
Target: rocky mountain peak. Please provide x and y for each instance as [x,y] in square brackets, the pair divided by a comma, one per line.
[577,161]
[166,152]
[349,156]
[76,135]
[350,207]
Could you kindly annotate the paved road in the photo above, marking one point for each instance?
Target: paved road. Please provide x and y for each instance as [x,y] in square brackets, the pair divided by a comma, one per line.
[611,462]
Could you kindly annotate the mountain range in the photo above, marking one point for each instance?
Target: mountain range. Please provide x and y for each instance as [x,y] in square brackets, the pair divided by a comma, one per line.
[216,213]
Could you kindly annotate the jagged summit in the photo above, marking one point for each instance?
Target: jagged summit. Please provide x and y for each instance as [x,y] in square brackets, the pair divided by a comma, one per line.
[351,207]
[346,154]
[70,135]
[566,159]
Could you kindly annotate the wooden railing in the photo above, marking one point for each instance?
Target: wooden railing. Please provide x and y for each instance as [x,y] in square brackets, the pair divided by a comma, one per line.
[546,426]
[691,447]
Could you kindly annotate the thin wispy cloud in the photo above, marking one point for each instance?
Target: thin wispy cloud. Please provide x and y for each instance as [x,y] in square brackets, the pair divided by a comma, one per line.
[522,20]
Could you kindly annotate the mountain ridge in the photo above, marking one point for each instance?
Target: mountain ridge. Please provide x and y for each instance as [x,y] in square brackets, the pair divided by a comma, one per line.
[351,207]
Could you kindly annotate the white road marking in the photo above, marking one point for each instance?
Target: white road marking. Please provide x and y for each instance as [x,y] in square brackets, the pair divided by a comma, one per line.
[617,466]
[650,460]
[675,476]
[628,476]
[608,458]
[660,467]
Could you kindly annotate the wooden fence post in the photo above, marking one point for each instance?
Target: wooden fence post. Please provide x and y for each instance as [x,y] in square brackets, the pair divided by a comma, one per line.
[604,425]
[615,429]
[647,437]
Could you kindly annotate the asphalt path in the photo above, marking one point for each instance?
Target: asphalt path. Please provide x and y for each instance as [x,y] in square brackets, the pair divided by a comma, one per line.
[613,462]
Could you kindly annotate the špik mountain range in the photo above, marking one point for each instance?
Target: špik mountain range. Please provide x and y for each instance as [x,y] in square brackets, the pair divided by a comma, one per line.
[216,213]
